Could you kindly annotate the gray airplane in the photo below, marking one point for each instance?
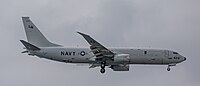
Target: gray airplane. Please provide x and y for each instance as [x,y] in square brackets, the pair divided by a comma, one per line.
[96,55]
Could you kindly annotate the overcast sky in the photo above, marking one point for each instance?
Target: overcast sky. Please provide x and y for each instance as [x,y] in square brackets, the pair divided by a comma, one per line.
[160,24]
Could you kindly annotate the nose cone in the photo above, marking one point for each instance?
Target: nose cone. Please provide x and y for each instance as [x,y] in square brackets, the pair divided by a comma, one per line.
[184,58]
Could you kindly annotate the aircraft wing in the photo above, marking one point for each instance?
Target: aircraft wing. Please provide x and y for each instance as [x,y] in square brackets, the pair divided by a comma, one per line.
[98,50]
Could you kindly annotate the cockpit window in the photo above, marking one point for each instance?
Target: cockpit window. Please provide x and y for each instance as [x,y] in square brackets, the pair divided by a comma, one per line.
[175,53]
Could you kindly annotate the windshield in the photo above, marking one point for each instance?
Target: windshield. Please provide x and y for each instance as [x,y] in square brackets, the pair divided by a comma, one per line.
[175,53]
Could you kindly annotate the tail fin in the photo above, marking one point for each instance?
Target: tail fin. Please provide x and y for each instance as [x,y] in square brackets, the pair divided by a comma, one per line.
[34,36]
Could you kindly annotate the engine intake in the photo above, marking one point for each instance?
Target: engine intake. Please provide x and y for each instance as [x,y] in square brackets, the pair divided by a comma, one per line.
[121,67]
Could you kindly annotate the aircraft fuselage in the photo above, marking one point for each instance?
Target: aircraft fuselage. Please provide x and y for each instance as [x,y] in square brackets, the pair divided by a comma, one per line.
[96,54]
[84,55]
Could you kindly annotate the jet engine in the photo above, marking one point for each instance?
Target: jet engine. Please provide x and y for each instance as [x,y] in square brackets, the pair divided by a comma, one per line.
[121,58]
[121,67]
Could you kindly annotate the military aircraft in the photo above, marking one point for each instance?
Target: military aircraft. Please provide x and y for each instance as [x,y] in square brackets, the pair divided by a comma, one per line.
[96,55]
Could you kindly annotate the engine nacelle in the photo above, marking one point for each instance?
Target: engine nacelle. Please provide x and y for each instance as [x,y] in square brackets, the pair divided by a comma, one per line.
[122,58]
[120,67]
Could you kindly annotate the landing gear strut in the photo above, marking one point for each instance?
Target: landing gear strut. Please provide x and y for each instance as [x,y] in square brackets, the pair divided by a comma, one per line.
[103,64]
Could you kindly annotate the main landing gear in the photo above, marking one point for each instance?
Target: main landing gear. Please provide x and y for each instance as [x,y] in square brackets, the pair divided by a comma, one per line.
[103,64]
[102,70]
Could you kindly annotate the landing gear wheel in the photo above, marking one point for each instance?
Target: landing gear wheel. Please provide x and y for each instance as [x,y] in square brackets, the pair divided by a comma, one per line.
[103,64]
[168,69]
[102,70]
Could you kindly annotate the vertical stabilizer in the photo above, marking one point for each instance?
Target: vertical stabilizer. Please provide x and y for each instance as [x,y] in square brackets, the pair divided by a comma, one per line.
[34,36]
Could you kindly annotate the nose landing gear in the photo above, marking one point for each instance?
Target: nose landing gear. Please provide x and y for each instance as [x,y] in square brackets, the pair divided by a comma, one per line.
[168,67]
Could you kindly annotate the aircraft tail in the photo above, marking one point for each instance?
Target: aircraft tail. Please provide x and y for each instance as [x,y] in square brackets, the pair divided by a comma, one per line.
[34,36]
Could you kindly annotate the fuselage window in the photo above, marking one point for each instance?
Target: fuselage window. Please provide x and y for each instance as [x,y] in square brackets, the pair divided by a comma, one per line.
[176,57]
[145,52]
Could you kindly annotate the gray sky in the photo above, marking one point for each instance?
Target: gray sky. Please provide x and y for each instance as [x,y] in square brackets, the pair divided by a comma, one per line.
[160,24]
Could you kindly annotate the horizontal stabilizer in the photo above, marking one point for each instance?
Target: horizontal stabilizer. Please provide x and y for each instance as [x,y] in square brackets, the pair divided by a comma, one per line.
[29,46]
